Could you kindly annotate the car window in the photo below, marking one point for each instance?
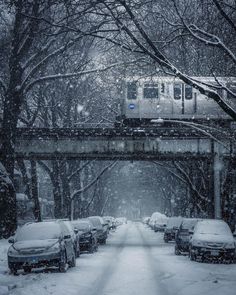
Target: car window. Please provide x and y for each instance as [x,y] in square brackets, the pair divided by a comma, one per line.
[64,228]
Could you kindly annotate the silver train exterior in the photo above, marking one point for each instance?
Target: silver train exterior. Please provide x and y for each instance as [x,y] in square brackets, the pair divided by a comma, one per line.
[169,98]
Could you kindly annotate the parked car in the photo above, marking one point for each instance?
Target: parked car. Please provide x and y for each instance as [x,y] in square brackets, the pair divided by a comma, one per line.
[75,237]
[88,239]
[153,219]
[41,244]
[102,228]
[183,235]
[146,220]
[212,239]
[172,227]
[160,223]
[110,221]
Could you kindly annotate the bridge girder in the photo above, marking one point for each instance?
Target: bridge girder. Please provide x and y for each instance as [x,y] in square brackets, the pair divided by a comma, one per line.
[111,143]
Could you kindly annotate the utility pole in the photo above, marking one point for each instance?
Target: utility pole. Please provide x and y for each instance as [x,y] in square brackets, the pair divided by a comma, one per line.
[217,166]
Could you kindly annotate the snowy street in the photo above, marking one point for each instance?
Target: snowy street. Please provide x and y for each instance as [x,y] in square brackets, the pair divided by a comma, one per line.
[134,260]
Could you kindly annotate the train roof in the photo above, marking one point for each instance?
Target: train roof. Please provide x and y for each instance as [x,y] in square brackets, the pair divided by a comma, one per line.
[205,79]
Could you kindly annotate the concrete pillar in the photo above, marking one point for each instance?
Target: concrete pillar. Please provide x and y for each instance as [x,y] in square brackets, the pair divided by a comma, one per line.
[217,166]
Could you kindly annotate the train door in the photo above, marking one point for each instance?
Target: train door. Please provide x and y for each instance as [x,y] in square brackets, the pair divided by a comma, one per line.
[150,100]
[183,102]
[177,99]
[131,106]
[188,100]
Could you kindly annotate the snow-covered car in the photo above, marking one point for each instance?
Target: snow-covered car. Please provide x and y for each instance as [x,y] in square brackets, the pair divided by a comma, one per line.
[172,227]
[101,226]
[88,239]
[154,217]
[109,221]
[121,220]
[212,239]
[160,223]
[146,219]
[74,235]
[41,244]
[183,235]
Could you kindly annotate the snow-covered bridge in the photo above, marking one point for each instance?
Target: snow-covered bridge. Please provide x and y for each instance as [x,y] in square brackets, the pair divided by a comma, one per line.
[112,143]
[157,143]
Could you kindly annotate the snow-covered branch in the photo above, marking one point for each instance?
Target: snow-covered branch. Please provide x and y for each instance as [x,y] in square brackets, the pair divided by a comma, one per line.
[85,188]
[75,74]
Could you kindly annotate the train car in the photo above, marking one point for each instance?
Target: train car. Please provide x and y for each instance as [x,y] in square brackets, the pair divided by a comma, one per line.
[147,99]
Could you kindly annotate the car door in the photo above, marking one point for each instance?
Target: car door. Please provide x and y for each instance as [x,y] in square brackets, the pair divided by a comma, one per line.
[68,241]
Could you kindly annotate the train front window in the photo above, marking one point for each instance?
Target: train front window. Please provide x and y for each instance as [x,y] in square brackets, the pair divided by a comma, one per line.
[132,90]
[177,91]
[188,92]
[150,91]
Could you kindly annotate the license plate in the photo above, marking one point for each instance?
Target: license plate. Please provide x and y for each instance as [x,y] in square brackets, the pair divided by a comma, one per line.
[215,253]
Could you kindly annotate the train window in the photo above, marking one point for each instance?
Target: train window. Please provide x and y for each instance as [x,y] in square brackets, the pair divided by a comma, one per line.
[188,92]
[132,90]
[150,91]
[177,91]
[162,87]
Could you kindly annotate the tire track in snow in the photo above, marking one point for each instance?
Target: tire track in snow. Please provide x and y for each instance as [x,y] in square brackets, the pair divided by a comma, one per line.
[109,269]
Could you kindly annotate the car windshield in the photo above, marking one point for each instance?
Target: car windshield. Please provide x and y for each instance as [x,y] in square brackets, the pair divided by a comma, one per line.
[214,228]
[189,224]
[39,231]
[82,226]
[174,222]
[95,221]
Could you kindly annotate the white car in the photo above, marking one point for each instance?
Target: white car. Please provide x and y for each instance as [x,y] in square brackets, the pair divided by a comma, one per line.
[212,239]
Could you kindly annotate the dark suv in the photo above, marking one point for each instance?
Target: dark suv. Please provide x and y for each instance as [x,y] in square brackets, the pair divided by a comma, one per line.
[171,229]
[183,235]
[41,244]
[101,226]
[87,235]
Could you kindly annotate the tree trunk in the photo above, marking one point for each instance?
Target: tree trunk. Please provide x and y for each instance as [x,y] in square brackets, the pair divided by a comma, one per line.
[37,210]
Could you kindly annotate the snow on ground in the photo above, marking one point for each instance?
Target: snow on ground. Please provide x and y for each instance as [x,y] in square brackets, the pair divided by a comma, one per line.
[135,261]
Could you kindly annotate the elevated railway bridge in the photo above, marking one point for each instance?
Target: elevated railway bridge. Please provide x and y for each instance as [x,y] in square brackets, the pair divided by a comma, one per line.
[150,143]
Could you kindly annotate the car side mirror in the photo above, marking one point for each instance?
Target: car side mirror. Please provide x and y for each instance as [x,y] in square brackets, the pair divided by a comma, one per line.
[76,231]
[11,241]
[67,237]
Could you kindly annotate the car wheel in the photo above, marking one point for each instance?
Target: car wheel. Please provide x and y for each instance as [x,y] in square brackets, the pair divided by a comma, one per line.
[27,269]
[13,270]
[62,263]
[72,263]
[192,256]
[77,251]
[177,252]
[91,248]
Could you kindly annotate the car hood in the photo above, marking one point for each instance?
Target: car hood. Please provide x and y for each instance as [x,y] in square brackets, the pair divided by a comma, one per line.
[213,238]
[34,244]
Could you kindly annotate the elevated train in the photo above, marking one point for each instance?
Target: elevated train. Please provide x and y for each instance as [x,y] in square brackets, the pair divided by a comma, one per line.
[168,98]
